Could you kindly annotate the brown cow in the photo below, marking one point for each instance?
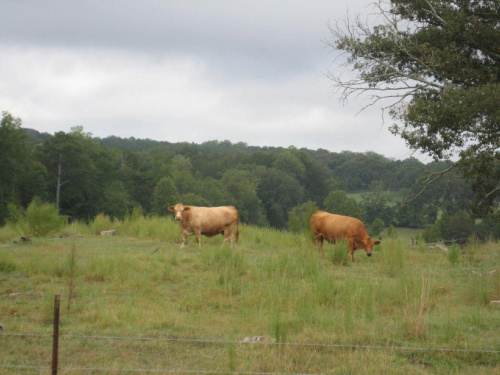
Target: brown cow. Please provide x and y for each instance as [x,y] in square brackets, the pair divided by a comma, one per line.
[332,228]
[209,221]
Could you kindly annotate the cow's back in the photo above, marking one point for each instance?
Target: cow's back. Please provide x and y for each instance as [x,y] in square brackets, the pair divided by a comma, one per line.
[212,219]
[332,226]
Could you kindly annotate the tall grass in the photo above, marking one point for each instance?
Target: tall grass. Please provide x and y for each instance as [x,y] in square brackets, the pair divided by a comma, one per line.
[140,284]
[393,256]
[71,274]
[417,307]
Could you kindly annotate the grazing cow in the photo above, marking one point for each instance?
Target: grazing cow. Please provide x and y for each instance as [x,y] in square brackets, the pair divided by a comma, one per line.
[209,221]
[332,228]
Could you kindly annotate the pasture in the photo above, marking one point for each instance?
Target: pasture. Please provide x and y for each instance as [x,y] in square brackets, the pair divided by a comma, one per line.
[136,303]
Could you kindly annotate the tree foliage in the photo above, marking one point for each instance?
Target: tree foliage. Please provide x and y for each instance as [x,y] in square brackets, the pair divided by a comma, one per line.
[21,176]
[269,186]
[164,195]
[437,64]
[299,217]
[339,203]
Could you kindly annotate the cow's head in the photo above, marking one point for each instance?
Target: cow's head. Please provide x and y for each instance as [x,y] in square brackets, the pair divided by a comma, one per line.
[369,243]
[179,208]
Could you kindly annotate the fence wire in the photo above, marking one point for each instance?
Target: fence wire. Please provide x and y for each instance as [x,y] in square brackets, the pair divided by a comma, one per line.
[270,343]
[166,371]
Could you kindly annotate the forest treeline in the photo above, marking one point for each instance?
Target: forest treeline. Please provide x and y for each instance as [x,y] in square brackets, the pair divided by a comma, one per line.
[85,176]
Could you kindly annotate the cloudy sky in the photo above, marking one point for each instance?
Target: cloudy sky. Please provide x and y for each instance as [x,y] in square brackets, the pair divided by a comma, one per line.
[190,70]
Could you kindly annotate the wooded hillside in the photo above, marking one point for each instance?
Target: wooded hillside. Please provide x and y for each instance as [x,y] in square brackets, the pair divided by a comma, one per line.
[85,176]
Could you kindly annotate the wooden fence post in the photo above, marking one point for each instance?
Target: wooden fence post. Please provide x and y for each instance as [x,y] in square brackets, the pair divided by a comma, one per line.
[55,337]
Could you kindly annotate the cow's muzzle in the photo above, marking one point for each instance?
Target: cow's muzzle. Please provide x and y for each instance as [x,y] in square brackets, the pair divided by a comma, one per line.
[369,254]
[178,218]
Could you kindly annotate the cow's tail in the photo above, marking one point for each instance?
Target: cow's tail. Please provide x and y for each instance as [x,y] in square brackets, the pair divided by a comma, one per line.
[237,229]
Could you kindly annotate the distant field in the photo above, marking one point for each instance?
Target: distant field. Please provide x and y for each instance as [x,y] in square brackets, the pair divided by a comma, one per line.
[406,233]
[136,303]
[359,194]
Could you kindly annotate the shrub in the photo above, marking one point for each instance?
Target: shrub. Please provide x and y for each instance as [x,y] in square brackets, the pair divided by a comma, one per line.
[391,232]
[377,227]
[39,218]
[432,233]
[454,254]
[300,216]
[101,222]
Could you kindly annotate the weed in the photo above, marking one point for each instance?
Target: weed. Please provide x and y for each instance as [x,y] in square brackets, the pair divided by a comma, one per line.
[454,252]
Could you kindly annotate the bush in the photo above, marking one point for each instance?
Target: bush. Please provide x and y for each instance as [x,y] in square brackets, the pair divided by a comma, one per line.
[432,233]
[454,254]
[391,232]
[377,227]
[101,222]
[38,219]
[299,217]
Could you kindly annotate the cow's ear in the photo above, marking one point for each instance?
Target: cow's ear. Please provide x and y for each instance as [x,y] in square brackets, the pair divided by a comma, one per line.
[187,208]
[170,208]
[376,242]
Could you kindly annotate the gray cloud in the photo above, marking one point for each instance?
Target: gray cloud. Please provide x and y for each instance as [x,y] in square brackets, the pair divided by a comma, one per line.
[183,71]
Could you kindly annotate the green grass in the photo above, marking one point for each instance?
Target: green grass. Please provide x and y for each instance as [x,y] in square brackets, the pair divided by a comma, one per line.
[116,291]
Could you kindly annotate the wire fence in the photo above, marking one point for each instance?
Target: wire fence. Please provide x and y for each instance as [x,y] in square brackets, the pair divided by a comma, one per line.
[266,343]
[91,369]
[255,340]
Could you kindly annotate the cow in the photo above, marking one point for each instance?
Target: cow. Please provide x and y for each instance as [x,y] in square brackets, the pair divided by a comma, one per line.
[331,227]
[209,221]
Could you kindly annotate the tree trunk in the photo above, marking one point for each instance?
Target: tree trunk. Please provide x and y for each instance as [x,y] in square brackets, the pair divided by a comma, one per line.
[58,189]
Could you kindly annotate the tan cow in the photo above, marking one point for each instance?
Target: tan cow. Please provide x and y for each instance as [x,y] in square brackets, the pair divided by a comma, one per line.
[332,228]
[209,221]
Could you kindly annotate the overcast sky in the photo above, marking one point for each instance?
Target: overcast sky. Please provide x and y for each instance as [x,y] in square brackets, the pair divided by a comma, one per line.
[190,70]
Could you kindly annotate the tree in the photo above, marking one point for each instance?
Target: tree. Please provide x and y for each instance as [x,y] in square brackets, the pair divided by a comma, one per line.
[339,203]
[164,195]
[299,217]
[279,192]
[377,227]
[21,176]
[377,205]
[116,202]
[437,63]
[456,228]
[193,199]
[489,228]
[79,172]
[241,191]
[182,174]
[289,161]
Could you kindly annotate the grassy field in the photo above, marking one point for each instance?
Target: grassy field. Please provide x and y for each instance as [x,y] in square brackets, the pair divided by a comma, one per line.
[136,303]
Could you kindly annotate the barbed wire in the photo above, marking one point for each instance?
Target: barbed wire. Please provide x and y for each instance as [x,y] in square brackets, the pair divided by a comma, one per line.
[25,367]
[222,341]
[164,371]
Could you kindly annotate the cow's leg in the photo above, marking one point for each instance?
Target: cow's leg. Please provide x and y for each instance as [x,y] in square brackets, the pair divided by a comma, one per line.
[319,244]
[184,240]
[198,238]
[351,249]
[228,237]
